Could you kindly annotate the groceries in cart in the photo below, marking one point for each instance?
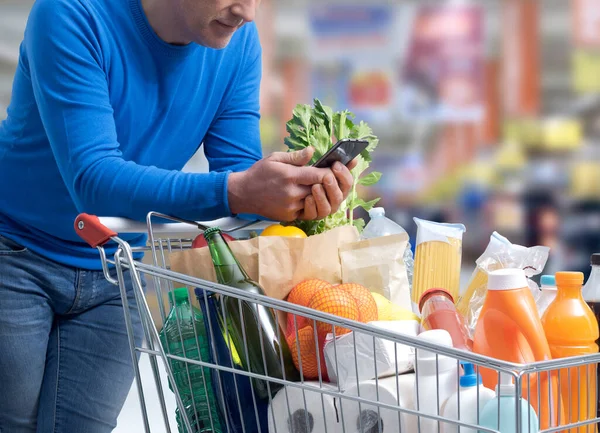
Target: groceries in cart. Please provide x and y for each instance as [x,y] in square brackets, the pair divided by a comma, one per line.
[439,312]
[184,335]
[345,373]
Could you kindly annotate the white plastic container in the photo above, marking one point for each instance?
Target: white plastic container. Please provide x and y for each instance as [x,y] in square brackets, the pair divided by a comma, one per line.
[380,225]
[435,381]
[504,404]
[470,399]
[548,289]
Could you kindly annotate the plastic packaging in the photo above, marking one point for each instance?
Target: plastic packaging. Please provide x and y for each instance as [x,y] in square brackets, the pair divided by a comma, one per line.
[434,381]
[438,312]
[500,412]
[369,418]
[437,259]
[380,225]
[372,356]
[500,254]
[184,334]
[468,402]
[591,294]
[572,330]
[510,329]
[548,293]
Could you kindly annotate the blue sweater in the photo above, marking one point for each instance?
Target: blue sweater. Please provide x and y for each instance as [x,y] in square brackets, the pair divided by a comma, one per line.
[103,116]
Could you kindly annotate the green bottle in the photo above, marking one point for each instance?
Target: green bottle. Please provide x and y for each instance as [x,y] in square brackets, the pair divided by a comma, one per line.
[259,327]
[178,337]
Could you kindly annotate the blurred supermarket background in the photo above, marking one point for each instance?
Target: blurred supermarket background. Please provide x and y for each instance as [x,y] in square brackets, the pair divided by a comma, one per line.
[488,112]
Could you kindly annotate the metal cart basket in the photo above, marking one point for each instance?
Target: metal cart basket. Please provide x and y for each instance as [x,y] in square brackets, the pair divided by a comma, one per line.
[368,401]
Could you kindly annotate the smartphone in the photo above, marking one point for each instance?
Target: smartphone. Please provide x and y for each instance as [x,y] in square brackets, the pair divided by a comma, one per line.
[343,151]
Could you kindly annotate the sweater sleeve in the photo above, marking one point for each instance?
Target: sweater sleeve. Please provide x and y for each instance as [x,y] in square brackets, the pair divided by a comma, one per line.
[70,87]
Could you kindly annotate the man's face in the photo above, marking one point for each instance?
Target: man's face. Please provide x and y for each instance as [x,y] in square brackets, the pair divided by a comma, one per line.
[212,23]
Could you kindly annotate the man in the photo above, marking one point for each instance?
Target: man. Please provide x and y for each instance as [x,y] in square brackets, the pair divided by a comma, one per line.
[111,98]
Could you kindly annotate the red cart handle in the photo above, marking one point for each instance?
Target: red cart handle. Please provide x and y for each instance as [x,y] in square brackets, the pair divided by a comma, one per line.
[91,230]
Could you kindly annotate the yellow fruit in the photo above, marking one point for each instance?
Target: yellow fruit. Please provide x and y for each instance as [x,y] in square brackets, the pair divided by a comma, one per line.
[287,231]
[367,307]
[388,311]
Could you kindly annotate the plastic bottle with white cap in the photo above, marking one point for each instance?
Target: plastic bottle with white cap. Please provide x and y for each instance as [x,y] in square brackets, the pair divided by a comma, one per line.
[380,225]
[510,329]
[464,405]
[436,379]
[548,289]
[500,412]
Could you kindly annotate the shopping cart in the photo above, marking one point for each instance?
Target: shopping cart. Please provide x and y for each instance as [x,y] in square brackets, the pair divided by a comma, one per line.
[398,401]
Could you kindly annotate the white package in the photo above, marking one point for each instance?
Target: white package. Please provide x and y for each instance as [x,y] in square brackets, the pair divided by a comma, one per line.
[357,349]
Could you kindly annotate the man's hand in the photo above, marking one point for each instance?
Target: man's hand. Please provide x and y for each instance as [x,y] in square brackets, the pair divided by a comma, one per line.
[282,188]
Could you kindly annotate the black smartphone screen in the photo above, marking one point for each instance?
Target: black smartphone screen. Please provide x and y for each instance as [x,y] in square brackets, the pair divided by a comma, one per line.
[343,151]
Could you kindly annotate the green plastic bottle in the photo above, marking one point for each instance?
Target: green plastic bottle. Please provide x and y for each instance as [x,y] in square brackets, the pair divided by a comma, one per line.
[195,387]
[253,328]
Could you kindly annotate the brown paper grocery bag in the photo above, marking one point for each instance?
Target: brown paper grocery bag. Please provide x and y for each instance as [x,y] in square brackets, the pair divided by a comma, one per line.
[276,263]
[378,265]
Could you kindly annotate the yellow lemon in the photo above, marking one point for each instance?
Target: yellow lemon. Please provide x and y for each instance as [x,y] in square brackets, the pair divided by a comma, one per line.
[388,311]
[287,231]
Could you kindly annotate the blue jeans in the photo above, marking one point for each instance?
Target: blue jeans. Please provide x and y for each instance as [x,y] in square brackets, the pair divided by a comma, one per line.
[65,364]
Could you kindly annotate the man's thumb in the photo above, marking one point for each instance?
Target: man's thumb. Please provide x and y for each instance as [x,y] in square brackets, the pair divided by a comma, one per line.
[298,158]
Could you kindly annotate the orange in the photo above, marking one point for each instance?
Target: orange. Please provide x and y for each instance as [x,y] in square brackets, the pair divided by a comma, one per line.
[301,294]
[367,306]
[286,231]
[336,301]
[305,344]
[304,291]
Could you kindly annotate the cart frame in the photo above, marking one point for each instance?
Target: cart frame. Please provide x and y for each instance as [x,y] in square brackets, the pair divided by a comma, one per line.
[98,232]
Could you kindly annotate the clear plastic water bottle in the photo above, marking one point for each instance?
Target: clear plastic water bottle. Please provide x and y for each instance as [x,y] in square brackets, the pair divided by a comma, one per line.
[380,225]
[184,335]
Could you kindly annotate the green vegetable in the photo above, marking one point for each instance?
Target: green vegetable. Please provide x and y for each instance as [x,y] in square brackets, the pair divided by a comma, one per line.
[321,128]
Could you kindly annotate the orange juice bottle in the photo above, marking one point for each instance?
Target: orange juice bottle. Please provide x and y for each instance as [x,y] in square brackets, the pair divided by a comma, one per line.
[572,329]
[509,329]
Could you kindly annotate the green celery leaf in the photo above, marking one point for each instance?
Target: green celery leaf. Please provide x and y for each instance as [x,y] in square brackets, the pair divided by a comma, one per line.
[326,115]
[370,179]
[294,143]
[359,223]
[366,205]
[361,166]
[342,124]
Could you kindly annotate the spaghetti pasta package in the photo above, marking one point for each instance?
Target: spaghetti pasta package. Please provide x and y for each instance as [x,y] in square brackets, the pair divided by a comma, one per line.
[499,254]
[437,259]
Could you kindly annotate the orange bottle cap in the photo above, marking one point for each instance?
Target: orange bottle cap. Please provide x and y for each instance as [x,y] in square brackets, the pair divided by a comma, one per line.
[569,278]
[507,279]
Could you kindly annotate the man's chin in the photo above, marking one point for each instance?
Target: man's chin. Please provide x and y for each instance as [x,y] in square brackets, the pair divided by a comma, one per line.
[215,42]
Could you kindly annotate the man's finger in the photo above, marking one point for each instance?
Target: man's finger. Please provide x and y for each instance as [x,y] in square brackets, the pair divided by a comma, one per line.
[334,193]
[310,209]
[300,192]
[344,178]
[323,206]
[310,175]
[298,158]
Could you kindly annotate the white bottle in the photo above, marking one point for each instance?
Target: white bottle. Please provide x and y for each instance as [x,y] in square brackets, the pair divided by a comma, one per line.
[591,290]
[500,413]
[465,404]
[435,381]
[548,294]
[380,225]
